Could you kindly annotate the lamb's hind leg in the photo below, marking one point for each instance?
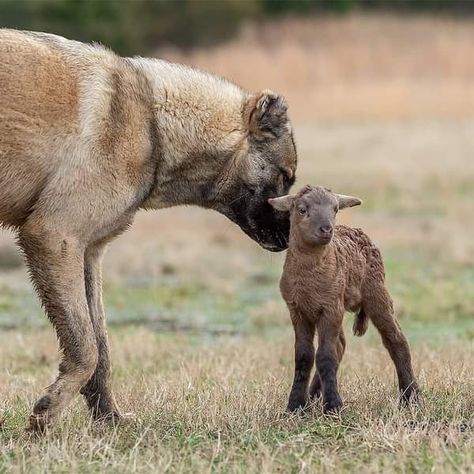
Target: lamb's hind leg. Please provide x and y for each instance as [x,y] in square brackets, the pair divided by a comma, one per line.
[56,266]
[379,307]
[98,391]
[315,387]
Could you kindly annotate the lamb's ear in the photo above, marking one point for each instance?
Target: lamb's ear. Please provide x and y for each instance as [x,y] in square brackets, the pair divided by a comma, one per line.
[347,201]
[282,203]
[266,113]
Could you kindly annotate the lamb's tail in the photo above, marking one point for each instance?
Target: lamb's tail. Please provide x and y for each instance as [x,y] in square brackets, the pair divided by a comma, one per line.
[361,323]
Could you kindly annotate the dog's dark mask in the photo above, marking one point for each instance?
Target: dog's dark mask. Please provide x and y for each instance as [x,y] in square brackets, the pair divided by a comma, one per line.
[266,171]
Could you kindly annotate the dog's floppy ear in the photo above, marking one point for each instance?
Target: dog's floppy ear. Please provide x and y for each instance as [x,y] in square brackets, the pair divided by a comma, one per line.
[347,201]
[282,203]
[266,113]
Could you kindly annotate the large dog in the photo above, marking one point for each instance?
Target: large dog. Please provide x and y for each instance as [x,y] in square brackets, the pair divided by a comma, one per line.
[87,138]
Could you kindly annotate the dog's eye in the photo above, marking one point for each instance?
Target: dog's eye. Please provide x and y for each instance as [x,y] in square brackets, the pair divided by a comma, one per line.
[302,211]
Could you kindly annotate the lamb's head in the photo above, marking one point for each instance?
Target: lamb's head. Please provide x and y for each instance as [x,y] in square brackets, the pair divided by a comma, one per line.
[313,213]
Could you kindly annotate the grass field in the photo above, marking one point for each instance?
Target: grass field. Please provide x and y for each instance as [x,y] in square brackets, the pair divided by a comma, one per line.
[217,405]
[201,341]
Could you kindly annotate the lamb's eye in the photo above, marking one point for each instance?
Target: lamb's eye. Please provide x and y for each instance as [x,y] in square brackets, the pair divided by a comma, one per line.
[302,211]
[336,208]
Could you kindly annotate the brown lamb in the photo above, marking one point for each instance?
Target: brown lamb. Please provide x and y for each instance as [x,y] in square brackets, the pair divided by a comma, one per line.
[329,270]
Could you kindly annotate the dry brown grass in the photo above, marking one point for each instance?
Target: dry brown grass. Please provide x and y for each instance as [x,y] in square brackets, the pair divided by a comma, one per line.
[219,407]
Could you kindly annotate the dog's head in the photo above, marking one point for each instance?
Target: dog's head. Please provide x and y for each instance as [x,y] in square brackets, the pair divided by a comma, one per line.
[263,167]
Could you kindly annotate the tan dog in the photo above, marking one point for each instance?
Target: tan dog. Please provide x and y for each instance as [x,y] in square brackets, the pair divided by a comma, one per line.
[86,139]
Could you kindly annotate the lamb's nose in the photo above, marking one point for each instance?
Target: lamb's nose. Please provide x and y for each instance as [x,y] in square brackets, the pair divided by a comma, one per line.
[326,229]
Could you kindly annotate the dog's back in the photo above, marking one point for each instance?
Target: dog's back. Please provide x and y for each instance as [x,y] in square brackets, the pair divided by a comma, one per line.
[40,84]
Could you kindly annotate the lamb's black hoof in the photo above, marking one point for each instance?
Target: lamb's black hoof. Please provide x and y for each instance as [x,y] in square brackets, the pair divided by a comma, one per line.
[296,407]
[332,406]
[410,396]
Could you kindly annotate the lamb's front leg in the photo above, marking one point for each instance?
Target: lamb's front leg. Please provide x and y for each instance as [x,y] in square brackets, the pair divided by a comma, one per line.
[327,360]
[315,387]
[304,357]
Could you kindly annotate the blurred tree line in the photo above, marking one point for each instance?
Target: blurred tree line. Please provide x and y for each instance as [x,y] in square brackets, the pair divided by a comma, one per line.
[137,26]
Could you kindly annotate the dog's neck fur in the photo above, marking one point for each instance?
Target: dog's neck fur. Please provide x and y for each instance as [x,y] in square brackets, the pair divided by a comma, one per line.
[198,118]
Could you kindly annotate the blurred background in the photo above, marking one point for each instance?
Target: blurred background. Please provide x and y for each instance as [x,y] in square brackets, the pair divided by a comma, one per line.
[381,96]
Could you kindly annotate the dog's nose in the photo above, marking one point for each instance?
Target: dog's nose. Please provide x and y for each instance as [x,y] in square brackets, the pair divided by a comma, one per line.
[326,229]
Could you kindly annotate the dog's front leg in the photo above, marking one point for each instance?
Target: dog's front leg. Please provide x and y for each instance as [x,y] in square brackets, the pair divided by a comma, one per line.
[56,263]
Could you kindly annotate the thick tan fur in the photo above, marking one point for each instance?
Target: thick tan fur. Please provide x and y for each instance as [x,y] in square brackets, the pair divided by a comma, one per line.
[86,139]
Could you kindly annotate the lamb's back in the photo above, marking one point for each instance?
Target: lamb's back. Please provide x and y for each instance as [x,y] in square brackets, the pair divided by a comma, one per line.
[359,258]
[351,240]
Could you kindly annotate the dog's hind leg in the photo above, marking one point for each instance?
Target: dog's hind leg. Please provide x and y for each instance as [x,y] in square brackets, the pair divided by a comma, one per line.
[98,391]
